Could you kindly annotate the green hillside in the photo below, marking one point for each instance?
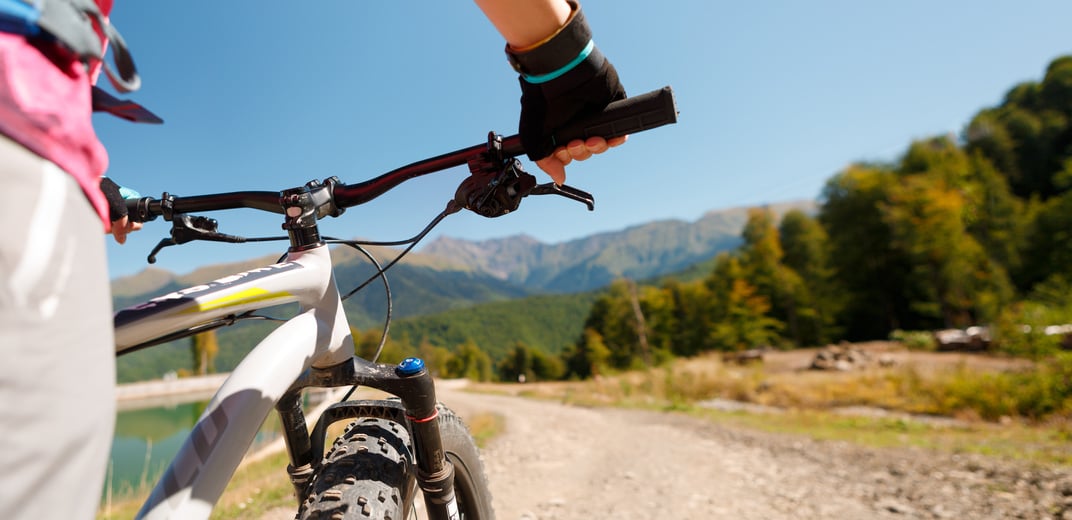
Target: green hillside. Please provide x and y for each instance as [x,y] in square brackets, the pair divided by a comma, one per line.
[547,323]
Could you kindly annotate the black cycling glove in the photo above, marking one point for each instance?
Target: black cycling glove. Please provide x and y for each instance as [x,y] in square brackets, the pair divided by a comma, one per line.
[116,195]
[563,79]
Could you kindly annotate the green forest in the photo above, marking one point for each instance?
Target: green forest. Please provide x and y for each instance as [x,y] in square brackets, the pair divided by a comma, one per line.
[958,231]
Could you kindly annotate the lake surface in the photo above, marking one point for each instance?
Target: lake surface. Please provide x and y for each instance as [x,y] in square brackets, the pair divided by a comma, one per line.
[146,439]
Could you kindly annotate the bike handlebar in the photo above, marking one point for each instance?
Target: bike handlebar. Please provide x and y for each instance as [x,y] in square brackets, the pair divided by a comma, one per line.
[627,116]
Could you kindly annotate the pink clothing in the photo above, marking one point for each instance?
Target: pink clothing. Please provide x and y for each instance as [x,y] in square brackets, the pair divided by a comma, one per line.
[46,106]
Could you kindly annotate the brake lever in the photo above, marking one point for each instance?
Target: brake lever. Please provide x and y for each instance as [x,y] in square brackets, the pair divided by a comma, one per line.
[497,183]
[566,191]
[187,228]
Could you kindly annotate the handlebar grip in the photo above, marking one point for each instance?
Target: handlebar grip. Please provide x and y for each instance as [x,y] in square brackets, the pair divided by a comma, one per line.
[627,116]
[623,117]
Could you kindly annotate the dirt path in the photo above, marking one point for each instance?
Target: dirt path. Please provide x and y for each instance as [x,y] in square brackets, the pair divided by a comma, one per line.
[557,462]
[563,462]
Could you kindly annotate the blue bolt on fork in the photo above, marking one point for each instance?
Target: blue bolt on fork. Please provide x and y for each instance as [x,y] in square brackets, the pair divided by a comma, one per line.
[410,381]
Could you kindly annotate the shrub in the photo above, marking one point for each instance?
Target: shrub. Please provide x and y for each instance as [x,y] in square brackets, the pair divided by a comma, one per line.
[1034,394]
[914,339]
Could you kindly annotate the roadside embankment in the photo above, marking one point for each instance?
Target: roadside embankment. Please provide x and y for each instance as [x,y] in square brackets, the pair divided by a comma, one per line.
[159,392]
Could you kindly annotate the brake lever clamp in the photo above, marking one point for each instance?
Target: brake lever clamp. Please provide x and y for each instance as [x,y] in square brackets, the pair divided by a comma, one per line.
[497,184]
[491,193]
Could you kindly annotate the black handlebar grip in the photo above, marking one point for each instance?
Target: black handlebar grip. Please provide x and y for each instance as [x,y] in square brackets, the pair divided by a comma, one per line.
[627,116]
[624,117]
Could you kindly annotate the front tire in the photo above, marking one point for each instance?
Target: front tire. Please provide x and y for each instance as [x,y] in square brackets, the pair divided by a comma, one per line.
[369,473]
[470,480]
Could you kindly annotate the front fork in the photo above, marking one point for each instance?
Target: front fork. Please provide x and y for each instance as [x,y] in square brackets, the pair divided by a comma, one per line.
[408,380]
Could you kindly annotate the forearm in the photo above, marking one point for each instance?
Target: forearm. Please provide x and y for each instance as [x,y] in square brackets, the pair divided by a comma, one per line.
[524,23]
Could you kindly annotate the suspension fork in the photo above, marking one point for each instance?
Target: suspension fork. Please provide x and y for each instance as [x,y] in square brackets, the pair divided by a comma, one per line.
[411,382]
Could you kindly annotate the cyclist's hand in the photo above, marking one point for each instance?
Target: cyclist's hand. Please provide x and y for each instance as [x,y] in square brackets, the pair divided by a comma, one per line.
[577,150]
[564,79]
[123,227]
[117,209]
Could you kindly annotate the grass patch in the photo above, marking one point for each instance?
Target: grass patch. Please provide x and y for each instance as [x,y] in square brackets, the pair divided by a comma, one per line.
[1035,393]
[255,489]
[484,427]
[1046,444]
[1015,413]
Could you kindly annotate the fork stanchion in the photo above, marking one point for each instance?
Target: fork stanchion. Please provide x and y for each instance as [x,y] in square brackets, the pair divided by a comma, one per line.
[435,474]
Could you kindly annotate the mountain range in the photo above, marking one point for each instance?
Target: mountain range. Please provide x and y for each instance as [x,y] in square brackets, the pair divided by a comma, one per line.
[469,271]
[449,275]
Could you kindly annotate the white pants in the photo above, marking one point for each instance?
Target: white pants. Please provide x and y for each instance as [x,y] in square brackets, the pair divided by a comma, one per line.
[57,361]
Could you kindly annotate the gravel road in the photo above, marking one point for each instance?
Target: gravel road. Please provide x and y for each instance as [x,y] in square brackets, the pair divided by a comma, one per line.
[564,462]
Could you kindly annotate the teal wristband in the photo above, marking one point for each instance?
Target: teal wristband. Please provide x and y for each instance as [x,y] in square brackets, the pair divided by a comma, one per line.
[128,193]
[544,78]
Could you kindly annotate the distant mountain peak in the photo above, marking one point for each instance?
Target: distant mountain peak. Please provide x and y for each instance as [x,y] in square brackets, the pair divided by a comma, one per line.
[445,241]
[779,208]
[147,280]
[639,251]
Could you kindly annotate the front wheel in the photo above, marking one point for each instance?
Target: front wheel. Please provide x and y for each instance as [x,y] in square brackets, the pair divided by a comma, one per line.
[369,473]
[470,481]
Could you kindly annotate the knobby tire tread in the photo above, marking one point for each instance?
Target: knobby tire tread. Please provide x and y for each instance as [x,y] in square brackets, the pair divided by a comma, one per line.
[369,473]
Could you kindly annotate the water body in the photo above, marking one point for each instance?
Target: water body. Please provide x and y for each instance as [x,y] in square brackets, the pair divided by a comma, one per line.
[147,439]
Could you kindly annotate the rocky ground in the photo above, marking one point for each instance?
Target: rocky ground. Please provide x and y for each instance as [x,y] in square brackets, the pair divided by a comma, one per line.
[564,462]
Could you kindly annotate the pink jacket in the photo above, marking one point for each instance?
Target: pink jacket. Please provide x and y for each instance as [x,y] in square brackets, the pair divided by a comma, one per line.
[46,106]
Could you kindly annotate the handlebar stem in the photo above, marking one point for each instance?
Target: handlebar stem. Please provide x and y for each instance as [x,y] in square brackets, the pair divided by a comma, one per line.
[305,205]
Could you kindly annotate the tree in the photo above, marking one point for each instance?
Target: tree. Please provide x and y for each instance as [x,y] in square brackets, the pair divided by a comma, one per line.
[949,272]
[691,304]
[367,345]
[745,323]
[615,317]
[1049,252]
[994,217]
[587,357]
[546,367]
[204,347]
[870,270]
[436,359]
[531,363]
[470,362]
[739,314]
[1027,137]
[930,210]
[517,363]
[806,247]
[761,257]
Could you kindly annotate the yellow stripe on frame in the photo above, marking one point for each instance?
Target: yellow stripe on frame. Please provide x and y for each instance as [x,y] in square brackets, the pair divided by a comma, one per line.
[250,295]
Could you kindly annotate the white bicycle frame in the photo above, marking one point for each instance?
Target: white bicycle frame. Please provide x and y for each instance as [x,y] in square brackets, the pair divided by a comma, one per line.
[319,336]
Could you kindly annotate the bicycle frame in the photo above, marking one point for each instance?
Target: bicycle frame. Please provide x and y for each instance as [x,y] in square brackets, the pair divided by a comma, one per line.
[318,336]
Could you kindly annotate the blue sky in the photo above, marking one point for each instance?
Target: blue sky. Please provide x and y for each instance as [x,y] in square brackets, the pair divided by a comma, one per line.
[775,97]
